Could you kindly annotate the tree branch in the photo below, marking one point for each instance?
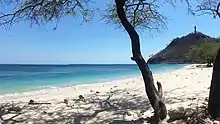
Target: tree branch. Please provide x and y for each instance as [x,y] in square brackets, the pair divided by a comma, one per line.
[140,14]
[160,90]
[13,15]
[153,95]
[209,7]
[42,11]
[217,10]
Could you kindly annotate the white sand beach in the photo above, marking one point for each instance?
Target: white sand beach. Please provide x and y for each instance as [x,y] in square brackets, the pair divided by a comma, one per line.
[113,102]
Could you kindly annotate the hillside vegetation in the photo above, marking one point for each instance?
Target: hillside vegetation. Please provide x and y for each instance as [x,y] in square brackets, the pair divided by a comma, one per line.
[192,48]
[203,53]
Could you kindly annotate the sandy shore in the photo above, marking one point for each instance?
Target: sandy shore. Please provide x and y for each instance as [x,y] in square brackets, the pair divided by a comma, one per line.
[113,102]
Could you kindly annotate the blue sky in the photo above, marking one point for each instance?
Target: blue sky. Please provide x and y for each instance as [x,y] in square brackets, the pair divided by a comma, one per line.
[94,42]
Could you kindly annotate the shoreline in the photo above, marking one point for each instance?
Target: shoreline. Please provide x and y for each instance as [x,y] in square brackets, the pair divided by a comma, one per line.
[6,97]
[52,89]
[44,84]
[57,88]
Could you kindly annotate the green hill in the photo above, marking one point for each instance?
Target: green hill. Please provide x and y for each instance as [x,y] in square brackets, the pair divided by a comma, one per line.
[192,48]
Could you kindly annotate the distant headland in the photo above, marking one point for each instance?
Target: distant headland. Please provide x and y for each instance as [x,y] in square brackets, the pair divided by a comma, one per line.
[195,47]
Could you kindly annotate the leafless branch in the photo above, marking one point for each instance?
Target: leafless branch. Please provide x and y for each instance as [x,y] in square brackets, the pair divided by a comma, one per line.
[42,11]
[141,14]
[210,7]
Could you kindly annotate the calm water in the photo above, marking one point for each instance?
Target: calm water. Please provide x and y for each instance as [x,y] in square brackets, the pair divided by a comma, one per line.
[20,78]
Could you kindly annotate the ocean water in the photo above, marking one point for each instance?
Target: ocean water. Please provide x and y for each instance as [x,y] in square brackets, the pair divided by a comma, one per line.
[22,78]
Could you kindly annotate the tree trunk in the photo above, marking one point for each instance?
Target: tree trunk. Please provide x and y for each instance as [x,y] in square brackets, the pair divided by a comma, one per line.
[214,94]
[154,96]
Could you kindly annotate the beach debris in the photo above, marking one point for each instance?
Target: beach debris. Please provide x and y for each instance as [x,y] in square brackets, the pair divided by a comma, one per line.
[81,97]
[198,115]
[66,101]
[48,113]
[176,114]
[129,114]
[91,91]
[191,98]
[97,92]
[181,114]
[32,102]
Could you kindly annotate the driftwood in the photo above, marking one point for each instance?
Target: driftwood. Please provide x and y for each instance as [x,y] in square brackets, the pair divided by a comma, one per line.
[32,102]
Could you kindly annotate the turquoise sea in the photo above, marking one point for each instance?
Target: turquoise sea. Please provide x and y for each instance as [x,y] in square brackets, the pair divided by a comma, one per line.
[22,78]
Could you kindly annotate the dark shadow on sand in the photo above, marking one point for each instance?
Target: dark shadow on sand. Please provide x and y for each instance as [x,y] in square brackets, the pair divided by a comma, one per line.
[77,112]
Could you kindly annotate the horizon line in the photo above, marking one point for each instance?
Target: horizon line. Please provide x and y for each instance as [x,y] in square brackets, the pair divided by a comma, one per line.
[68,64]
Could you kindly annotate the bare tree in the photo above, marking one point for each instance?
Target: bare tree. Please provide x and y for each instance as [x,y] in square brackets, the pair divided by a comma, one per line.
[154,96]
[130,13]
